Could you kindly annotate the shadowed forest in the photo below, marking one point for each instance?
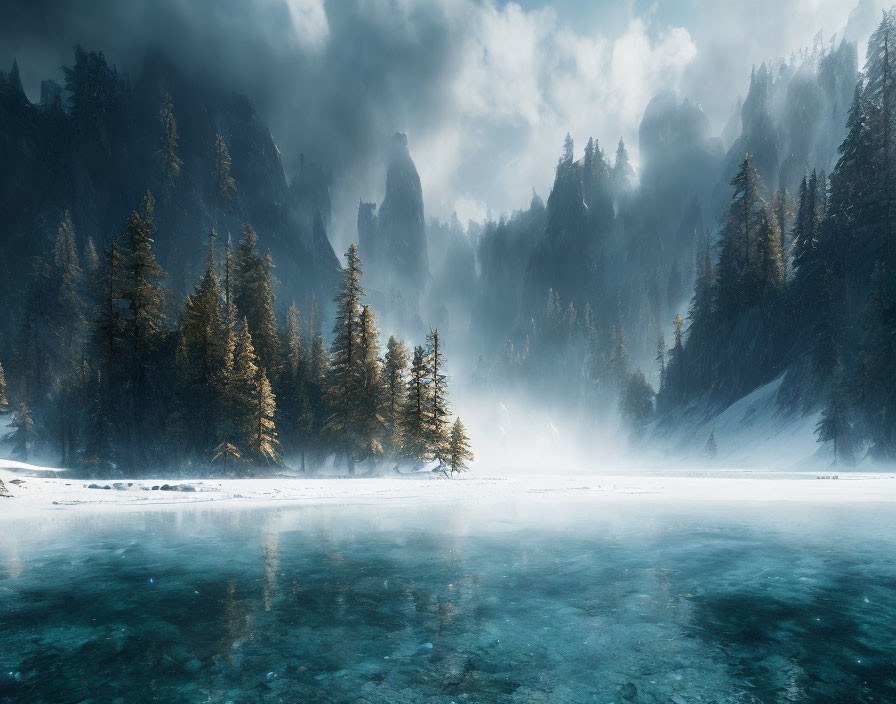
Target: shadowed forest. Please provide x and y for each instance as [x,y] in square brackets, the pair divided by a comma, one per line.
[174,300]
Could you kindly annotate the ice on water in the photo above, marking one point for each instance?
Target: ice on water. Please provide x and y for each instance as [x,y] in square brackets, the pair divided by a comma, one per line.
[452,604]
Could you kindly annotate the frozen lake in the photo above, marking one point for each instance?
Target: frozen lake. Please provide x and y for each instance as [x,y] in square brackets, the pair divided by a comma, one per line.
[516,601]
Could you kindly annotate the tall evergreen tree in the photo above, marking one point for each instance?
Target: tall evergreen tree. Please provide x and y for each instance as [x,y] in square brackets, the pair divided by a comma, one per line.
[766,273]
[4,401]
[781,208]
[622,173]
[370,387]
[636,403]
[837,424]
[252,403]
[293,350]
[226,184]
[342,389]
[661,359]
[143,288]
[317,355]
[66,324]
[415,422]
[90,262]
[701,308]
[144,325]
[169,149]
[229,280]
[254,298]
[23,433]
[395,366]
[739,238]
[204,359]
[880,94]
[438,416]
[459,451]
[263,443]
[294,405]
[711,448]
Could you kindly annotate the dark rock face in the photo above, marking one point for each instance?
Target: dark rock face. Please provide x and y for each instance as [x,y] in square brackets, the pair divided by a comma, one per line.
[563,260]
[393,241]
[96,157]
[793,119]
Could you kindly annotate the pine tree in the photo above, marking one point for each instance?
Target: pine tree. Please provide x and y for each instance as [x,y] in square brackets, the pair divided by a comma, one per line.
[4,402]
[91,261]
[22,436]
[229,276]
[263,442]
[144,326]
[636,403]
[459,451]
[370,387]
[438,412]
[701,308]
[766,275]
[782,213]
[293,351]
[677,323]
[395,380]
[618,360]
[874,378]
[106,356]
[661,359]
[623,172]
[109,326]
[204,358]
[97,450]
[880,94]
[67,320]
[837,424]
[415,424]
[711,447]
[254,299]
[317,357]
[227,455]
[808,225]
[252,403]
[224,178]
[66,323]
[294,406]
[143,288]
[169,155]
[343,381]
[739,238]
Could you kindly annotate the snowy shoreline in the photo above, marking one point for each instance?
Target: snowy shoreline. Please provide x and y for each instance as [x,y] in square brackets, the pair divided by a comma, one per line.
[33,493]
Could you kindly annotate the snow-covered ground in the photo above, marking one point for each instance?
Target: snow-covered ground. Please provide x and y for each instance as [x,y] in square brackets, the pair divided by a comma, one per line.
[35,491]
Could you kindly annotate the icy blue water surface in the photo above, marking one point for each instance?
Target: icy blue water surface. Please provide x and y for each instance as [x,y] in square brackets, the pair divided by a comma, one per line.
[446,603]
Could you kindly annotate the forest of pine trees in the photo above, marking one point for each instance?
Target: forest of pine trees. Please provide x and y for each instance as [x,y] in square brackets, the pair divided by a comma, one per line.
[799,282]
[809,282]
[112,366]
[111,375]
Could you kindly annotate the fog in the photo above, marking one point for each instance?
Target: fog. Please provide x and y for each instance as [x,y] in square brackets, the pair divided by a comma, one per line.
[555,284]
[485,91]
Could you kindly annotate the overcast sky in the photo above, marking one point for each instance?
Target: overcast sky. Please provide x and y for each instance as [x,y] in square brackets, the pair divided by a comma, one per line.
[485,91]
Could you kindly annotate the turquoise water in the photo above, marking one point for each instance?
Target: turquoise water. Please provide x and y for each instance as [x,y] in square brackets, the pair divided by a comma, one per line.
[445,603]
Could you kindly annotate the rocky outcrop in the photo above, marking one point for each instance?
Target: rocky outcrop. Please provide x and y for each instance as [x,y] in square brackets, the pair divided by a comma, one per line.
[392,241]
[96,158]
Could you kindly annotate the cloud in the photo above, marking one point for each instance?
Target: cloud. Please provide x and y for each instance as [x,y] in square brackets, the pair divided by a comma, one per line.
[485,90]
[524,80]
[309,22]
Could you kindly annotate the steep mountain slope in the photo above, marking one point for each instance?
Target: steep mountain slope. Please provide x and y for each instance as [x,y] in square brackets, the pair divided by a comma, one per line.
[93,148]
